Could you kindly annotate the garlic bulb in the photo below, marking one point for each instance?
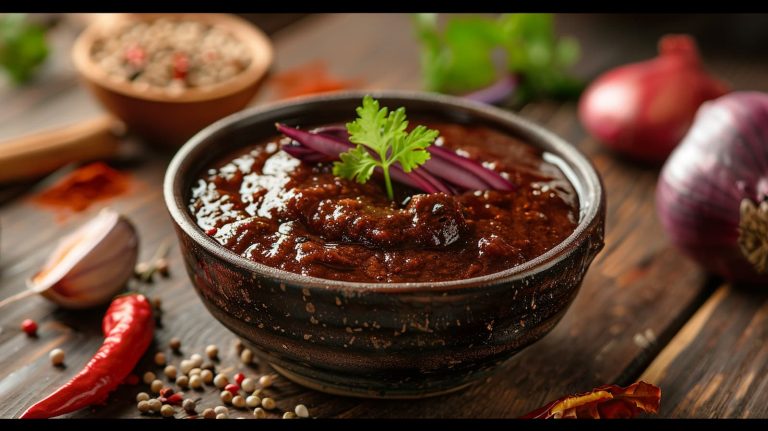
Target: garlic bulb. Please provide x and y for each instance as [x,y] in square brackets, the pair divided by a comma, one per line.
[91,265]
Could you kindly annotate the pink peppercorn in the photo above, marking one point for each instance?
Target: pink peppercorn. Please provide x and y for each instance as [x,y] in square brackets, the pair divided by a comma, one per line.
[239,377]
[29,326]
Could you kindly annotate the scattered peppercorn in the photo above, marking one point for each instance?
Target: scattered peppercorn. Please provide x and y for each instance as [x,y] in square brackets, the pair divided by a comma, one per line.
[57,357]
[207,376]
[143,406]
[253,401]
[238,401]
[212,351]
[156,386]
[259,413]
[209,414]
[142,396]
[167,411]
[195,382]
[232,388]
[221,410]
[222,416]
[266,381]
[170,372]
[220,381]
[239,377]
[29,326]
[301,411]
[248,385]
[166,392]
[226,396]
[194,372]
[154,405]
[160,359]
[175,344]
[239,346]
[258,393]
[246,356]
[185,366]
[182,381]
[197,360]
[149,377]
[268,403]
[289,415]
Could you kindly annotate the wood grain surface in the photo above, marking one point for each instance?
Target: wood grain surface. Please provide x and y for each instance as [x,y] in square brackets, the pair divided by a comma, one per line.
[637,296]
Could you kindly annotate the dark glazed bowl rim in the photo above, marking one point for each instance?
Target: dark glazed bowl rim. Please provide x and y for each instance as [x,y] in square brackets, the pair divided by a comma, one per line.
[590,191]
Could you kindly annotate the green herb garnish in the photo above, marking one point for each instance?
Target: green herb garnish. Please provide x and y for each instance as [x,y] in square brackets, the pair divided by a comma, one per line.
[462,56]
[22,46]
[382,141]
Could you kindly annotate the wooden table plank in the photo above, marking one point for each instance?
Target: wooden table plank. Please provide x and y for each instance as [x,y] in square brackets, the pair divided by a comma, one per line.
[717,366]
[636,296]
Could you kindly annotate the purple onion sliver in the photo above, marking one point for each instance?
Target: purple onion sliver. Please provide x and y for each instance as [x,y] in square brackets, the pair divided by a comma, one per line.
[426,176]
[493,178]
[335,130]
[415,181]
[454,174]
[305,154]
[496,92]
[320,143]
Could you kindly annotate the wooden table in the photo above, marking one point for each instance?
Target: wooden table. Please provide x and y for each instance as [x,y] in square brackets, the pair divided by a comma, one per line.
[644,311]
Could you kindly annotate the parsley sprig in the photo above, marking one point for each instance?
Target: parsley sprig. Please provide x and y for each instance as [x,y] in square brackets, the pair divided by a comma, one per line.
[382,141]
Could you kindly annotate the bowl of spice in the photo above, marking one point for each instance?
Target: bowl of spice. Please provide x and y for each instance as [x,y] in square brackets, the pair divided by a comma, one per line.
[166,76]
[395,244]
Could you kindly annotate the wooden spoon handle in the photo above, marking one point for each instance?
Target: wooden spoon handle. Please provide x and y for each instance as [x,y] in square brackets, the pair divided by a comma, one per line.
[37,154]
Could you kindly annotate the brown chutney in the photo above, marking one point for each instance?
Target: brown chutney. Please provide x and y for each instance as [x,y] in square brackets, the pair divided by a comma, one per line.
[269,207]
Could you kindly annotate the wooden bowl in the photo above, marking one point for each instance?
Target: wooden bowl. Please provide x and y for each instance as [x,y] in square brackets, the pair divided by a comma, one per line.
[398,340]
[157,114]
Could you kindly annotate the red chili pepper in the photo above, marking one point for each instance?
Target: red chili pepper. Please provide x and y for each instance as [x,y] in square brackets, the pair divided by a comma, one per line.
[128,330]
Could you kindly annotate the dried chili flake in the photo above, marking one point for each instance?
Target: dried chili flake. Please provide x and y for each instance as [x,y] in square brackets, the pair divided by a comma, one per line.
[309,78]
[89,183]
[605,402]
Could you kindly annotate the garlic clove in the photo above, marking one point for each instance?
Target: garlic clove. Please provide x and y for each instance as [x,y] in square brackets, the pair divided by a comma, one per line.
[91,265]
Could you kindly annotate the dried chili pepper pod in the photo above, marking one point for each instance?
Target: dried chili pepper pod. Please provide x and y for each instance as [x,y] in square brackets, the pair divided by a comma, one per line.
[128,330]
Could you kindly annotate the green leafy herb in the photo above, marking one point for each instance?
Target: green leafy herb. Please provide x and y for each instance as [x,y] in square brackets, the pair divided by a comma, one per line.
[22,46]
[463,56]
[382,141]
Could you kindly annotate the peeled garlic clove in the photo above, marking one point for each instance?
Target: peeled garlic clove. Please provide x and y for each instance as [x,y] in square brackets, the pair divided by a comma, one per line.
[90,266]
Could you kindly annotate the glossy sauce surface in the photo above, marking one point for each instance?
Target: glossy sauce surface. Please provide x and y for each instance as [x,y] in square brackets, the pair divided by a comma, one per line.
[269,207]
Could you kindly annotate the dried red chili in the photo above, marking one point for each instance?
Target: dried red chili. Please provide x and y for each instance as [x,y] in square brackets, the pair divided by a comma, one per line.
[89,183]
[128,330]
[605,402]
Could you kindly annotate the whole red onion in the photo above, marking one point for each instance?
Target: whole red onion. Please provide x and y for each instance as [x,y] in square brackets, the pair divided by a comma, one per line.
[712,196]
[643,110]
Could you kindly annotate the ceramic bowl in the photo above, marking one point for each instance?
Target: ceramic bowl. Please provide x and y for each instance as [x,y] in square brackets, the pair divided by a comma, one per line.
[401,340]
[165,117]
